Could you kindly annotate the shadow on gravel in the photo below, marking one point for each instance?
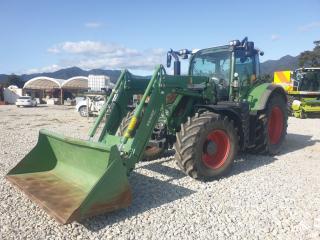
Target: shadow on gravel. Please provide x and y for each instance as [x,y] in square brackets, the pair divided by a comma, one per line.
[246,162]
[296,142]
[173,173]
[148,193]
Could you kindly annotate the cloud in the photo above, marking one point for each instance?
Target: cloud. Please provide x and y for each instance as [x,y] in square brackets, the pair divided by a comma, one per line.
[95,54]
[120,59]
[53,50]
[275,37]
[90,48]
[93,24]
[80,47]
[84,47]
[50,68]
[309,26]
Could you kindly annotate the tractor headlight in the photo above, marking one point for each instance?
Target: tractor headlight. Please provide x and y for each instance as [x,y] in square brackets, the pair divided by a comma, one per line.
[183,52]
[234,43]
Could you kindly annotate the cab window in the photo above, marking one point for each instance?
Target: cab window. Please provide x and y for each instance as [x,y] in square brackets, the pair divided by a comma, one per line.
[203,67]
[216,66]
[244,66]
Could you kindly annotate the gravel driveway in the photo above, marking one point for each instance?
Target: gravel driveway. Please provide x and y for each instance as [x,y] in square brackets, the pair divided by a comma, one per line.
[262,198]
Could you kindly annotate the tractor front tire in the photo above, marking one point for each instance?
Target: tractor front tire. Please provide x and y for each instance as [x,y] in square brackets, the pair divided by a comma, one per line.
[272,127]
[206,146]
[150,152]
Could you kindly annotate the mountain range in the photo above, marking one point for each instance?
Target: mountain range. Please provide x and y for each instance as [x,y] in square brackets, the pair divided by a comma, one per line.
[268,67]
[285,63]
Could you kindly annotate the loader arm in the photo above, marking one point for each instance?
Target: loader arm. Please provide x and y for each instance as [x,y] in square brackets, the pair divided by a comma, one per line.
[147,113]
[115,109]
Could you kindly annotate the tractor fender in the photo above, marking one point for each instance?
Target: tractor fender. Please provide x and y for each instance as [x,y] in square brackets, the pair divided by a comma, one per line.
[238,112]
[259,96]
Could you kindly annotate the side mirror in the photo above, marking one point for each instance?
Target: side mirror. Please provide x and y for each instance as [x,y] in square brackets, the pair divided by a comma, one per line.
[169,57]
[249,49]
[250,46]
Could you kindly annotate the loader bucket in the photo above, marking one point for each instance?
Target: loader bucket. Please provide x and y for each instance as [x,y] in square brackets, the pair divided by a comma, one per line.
[72,179]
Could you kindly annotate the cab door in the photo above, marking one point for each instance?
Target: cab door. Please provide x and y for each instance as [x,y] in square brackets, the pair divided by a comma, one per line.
[247,68]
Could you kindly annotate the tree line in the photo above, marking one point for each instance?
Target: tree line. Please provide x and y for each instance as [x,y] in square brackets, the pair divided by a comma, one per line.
[310,58]
[13,79]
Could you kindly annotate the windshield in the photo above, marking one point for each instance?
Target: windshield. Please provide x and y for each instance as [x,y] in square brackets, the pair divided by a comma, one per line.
[213,65]
[309,80]
[24,97]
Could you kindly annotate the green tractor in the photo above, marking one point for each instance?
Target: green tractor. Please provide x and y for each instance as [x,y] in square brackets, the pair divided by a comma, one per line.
[209,115]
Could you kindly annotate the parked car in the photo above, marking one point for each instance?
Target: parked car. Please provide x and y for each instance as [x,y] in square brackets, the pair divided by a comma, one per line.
[93,104]
[26,101]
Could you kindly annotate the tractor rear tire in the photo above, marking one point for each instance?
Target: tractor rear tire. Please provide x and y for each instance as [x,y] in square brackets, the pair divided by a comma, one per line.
[272,127]
[151,152]
[206,146]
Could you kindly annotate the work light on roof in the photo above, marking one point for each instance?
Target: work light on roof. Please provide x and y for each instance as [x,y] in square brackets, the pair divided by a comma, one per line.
[234,43]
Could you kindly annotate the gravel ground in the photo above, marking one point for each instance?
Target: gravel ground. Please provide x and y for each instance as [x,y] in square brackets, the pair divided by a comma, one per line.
[262,198]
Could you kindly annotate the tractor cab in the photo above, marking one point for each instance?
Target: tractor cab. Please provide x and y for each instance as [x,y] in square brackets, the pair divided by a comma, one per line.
[214,63]
[233,68]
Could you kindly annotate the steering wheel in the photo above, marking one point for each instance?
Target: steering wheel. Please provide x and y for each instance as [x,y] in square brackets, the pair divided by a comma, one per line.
[219,79]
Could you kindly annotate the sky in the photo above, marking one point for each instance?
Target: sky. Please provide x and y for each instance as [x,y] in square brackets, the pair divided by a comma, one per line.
[44,36]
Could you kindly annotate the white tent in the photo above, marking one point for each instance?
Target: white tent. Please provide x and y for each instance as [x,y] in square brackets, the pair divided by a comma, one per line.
[78,82]
[43,83]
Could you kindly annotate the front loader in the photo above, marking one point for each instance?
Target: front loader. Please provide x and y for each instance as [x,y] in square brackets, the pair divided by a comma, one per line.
[208,115]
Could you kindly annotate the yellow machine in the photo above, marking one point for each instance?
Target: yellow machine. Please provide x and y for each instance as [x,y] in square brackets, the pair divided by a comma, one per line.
[303,89]
[283,78]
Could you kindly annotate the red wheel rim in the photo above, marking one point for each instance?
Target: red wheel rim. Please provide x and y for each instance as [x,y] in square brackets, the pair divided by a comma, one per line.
[275,125]
[216,149]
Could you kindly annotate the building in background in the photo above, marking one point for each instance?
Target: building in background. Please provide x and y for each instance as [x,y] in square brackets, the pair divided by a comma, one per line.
[11,94]
[55,91]
[98,83]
